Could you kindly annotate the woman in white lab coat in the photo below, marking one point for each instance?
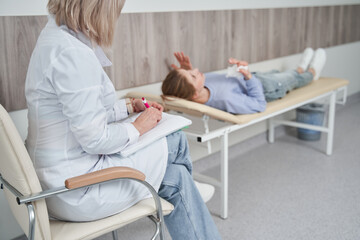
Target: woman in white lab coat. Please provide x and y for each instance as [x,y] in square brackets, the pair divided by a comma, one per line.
[72,113]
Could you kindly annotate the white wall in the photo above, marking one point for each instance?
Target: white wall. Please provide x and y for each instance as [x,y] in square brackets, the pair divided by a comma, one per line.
[38,7]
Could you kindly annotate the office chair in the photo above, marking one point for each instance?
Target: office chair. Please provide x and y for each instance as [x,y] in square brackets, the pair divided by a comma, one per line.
[27,200]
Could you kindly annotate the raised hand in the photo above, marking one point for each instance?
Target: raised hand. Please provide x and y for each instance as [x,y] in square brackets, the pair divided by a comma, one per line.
[238,62]
[183,60]
[244,71]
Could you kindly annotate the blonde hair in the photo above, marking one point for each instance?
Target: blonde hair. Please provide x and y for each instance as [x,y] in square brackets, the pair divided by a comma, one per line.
[94,18]
[177,85]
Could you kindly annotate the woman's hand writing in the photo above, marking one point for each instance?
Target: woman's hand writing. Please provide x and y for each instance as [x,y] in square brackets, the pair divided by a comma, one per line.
[139,105]
[156,105]
[147,120]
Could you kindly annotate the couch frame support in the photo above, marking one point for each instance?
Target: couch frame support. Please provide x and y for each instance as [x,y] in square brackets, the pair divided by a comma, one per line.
[223,133]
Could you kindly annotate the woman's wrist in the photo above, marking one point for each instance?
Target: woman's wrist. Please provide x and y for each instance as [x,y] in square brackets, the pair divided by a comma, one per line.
[129,105]
[248,77]
[138,127]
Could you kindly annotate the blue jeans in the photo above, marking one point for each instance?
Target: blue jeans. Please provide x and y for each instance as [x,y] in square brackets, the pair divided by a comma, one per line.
[276,84]
[190,218]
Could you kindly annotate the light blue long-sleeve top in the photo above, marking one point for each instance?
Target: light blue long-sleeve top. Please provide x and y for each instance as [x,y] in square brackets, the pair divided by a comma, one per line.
[235,94]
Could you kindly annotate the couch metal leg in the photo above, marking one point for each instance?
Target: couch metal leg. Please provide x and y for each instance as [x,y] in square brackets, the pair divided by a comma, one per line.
[331,123]
[224,175]
[115,235]
[205,120]
[271,130]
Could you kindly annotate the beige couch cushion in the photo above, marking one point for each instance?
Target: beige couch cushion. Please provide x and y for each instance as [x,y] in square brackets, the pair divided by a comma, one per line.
[314,89]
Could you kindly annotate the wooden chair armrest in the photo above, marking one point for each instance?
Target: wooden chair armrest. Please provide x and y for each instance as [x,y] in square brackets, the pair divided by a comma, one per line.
[102,176]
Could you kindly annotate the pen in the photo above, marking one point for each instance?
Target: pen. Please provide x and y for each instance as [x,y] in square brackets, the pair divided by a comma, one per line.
[145,103]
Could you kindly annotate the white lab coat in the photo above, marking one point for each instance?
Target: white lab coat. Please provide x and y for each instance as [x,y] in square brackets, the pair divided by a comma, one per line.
[72,113]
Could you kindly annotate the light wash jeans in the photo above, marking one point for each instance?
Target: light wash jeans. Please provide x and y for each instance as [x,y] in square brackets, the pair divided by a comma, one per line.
[276,84]
[190,218]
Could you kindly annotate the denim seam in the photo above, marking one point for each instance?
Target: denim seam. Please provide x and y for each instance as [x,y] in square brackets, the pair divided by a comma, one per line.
[187,211]
[184,203]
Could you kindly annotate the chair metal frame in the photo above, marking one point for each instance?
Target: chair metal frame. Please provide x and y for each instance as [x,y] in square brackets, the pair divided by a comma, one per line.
[27,200]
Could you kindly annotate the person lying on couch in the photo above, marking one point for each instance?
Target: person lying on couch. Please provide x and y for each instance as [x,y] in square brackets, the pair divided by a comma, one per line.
[240,91]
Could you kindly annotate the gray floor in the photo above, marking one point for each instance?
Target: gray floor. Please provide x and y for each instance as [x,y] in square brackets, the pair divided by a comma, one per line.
[289,190]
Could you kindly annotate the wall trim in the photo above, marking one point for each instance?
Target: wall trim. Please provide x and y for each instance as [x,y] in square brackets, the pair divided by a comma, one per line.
[38,7]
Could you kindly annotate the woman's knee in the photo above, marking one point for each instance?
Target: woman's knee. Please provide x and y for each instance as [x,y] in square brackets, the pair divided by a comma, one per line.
[178,150]
[177,179]
[175,139]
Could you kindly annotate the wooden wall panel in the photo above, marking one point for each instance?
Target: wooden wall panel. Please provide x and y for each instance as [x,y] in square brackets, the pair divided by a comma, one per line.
[17,41]
[144,42]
